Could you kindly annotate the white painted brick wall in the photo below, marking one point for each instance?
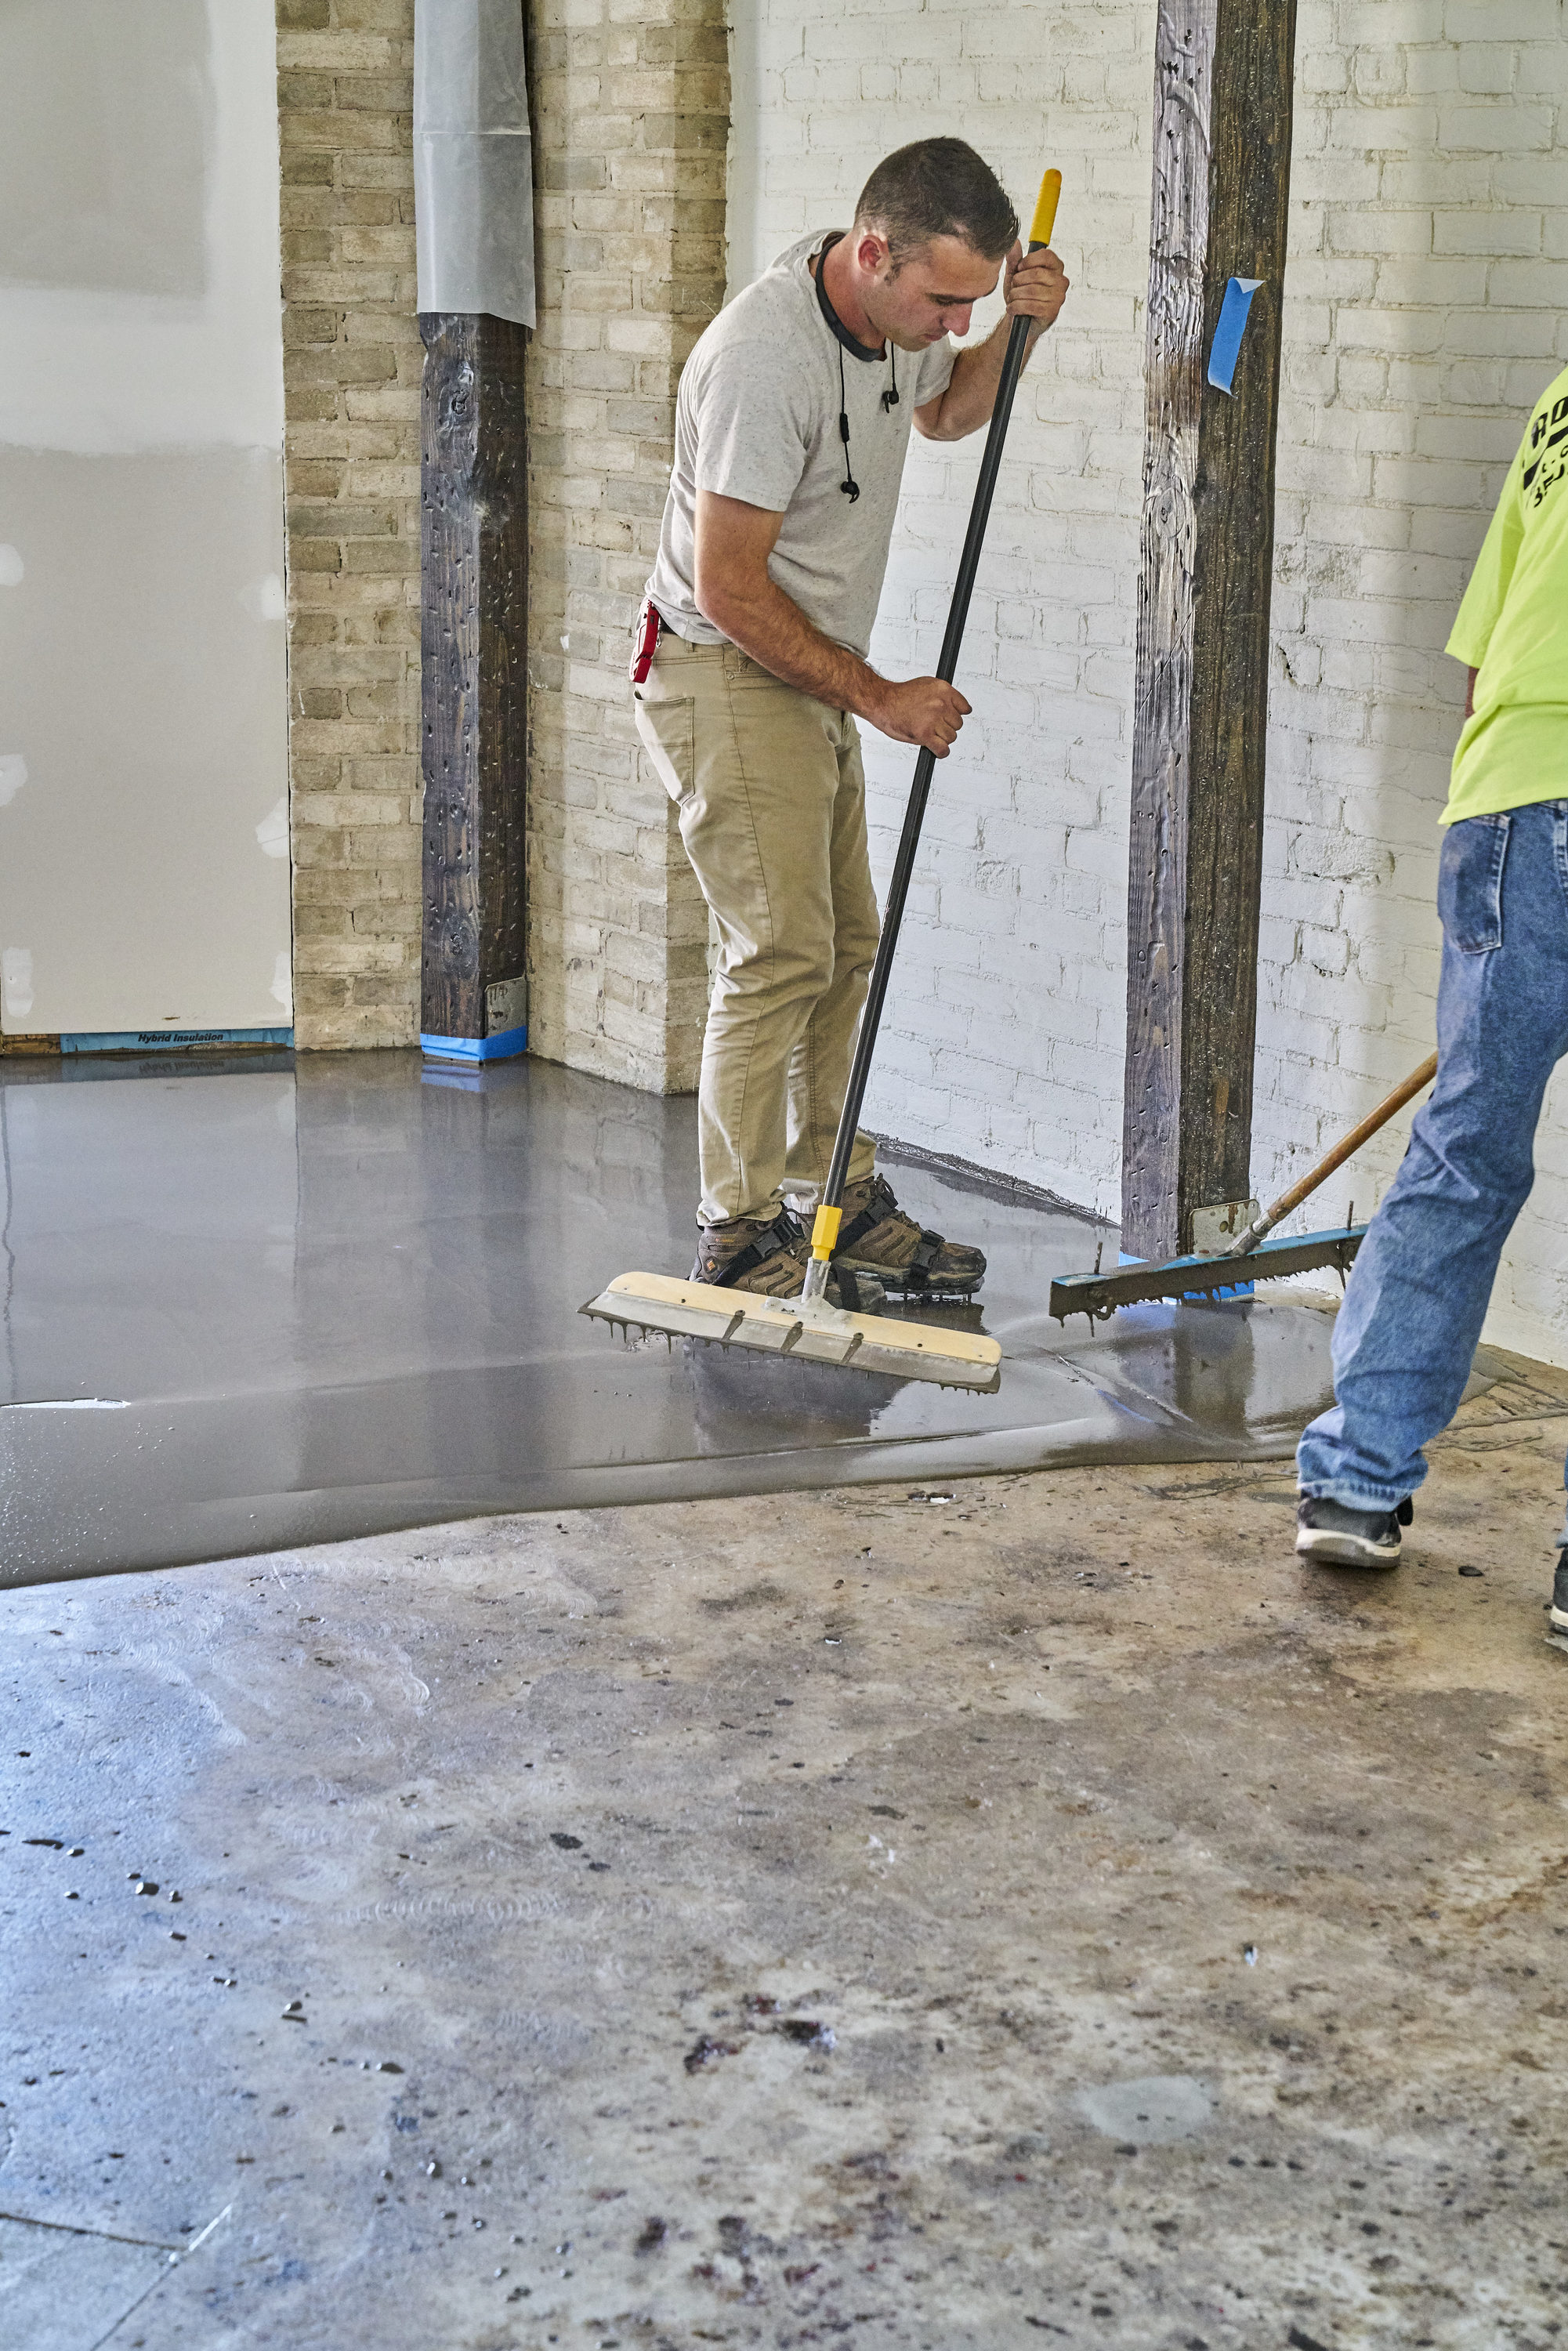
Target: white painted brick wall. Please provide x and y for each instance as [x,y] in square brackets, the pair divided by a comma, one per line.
[1427,283]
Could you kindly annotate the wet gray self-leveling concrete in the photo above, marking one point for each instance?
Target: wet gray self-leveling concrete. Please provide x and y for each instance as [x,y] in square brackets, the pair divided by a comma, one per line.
[257,1303]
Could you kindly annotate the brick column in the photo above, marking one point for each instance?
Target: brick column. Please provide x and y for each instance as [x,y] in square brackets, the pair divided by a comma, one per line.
[631,124]
[352,374]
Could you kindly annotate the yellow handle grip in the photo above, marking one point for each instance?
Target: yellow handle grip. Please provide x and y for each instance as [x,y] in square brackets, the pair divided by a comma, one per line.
[1044,219]
[825,1233]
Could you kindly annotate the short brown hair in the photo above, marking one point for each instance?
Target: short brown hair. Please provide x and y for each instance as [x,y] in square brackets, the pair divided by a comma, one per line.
[938,187]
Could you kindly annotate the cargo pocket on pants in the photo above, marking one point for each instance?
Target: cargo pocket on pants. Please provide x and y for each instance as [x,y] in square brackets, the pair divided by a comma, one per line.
[1469,884]
[667,731]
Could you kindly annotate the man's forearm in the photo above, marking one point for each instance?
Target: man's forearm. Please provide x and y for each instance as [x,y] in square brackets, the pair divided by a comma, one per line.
[971,392]
[770,626]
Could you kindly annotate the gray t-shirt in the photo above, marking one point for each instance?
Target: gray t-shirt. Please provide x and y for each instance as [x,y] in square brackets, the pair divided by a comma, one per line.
[758,419]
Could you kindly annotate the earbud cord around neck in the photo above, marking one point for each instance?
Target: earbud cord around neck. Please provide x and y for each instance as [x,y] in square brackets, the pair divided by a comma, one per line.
[848,486]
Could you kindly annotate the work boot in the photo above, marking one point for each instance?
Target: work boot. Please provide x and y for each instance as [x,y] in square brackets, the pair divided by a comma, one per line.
[877,1237]
[1557,1621]
[770,1260]
[1334,1535]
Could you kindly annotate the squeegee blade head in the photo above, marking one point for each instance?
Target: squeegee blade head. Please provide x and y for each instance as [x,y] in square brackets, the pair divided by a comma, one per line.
[652,1303]
[816,1333]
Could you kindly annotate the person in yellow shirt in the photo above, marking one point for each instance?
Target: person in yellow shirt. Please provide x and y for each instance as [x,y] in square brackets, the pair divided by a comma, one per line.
[1513,631]
[1417,1294]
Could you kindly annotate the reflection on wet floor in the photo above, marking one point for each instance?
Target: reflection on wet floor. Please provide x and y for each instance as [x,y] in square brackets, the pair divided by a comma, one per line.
[256,1303]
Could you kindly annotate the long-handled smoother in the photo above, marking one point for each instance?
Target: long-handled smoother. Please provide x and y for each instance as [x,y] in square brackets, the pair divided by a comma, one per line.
[1099,1295]
[808,1326]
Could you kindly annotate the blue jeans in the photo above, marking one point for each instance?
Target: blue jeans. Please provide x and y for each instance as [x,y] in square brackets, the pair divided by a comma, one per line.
[1417,1293]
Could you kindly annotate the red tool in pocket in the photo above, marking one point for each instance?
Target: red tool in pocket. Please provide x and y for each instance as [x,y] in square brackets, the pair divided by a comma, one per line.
[645,641]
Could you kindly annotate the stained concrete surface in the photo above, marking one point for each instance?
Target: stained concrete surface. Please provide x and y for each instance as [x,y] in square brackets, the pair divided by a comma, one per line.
[1025,1910]
[250,1304]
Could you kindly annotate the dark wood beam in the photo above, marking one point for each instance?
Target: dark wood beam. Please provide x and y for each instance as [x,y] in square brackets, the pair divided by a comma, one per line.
[473,555]
[1221,189]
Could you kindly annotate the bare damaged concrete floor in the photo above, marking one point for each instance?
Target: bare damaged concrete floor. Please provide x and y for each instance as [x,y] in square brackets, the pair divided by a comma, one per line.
[1025,1911]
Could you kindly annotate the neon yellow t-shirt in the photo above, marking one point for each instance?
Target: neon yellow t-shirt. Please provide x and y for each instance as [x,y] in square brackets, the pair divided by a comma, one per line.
[1513,627]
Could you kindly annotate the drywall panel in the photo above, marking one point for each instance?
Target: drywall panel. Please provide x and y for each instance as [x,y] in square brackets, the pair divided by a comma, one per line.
[119,207]
[143,690]
[143,743]
[113,364]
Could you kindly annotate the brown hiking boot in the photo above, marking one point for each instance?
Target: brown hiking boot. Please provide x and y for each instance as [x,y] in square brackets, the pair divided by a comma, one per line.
[877,1239]
[771,1261]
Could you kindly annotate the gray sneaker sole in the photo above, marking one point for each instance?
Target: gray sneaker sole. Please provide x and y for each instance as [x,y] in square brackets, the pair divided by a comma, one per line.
[1343,1551]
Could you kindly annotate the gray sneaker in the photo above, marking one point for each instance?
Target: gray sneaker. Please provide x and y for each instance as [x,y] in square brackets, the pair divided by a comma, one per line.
[1337,1536]
[1557,1615]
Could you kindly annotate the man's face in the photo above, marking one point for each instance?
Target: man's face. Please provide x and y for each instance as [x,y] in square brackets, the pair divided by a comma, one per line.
[927,294]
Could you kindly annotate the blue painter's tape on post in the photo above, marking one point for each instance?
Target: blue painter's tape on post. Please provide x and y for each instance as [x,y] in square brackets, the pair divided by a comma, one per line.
[1227,344]
[476,1049]
[1200,1297]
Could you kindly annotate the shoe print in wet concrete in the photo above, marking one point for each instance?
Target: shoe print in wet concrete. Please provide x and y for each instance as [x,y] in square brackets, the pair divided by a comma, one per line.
[262,1302]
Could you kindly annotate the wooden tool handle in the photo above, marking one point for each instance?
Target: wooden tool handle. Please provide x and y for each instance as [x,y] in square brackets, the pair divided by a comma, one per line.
[1281,1208]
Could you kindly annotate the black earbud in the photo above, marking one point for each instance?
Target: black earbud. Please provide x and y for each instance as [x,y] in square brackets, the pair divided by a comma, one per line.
[850,486]
[890,397]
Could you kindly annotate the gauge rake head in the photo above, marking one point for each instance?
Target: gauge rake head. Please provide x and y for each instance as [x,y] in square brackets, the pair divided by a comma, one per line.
[811,1330]
[1213,1279]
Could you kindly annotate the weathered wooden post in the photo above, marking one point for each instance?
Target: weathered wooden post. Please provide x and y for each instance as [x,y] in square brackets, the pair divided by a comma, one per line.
[473,635]
[473,171]
[1221,185]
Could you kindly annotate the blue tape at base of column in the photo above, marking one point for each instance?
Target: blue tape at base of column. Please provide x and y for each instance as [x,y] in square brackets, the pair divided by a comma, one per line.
[476,1049]
[1200,1297]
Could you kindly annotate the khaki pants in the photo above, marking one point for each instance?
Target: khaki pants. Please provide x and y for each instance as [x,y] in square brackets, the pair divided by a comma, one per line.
[772,796]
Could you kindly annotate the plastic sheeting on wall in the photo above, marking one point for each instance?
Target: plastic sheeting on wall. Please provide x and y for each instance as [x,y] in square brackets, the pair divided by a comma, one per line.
[473,159]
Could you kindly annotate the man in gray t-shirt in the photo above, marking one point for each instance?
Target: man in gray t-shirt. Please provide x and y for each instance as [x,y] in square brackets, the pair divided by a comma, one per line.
[793,418]
[758,419]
